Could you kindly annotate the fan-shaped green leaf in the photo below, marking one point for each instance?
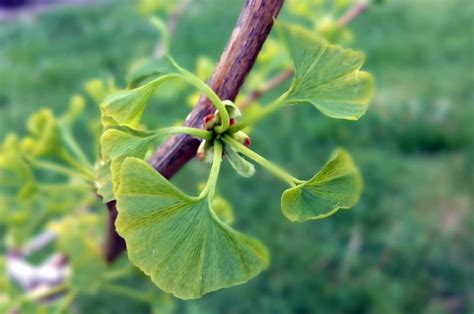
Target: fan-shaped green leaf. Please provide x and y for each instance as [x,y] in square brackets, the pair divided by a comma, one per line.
[126,107]
[327,76]
[178,240]
[221,207]
[337,185]
[117,143]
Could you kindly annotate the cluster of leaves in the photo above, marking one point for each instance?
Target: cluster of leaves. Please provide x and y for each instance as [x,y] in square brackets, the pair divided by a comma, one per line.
[43,174]
[179,240]
[46,174]
[47,182]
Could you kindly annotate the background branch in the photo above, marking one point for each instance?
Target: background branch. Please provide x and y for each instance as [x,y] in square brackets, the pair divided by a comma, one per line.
[171,26]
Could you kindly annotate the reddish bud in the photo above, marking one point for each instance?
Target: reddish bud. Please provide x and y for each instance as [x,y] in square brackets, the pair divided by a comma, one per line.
[232,121]
[201,151]
[209,117]
[247,142]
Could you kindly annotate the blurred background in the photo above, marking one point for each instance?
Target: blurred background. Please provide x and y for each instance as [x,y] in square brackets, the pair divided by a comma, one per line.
[406,247]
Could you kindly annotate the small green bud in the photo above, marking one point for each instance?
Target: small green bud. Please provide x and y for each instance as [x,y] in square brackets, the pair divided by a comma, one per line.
[242,137]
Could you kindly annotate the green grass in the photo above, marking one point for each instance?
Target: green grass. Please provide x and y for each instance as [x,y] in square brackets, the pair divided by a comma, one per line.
[411,233]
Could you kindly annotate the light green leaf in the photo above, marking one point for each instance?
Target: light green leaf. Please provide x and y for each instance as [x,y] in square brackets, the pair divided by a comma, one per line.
[337,185]
[178,240]
[327,76]
[116,146]
[44,137]
[126,107]
[240,164]
[221,207]
[16,176]
[117,143]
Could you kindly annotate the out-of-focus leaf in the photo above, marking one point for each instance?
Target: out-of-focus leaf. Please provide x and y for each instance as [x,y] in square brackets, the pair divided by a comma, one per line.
[44,139]
[223,210]
[337,185]
[98,90]
[77,239]
[177,240]
[326,76]
[16,176]
[163,304]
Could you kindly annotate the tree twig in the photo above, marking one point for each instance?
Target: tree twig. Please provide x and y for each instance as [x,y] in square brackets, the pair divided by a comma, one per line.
[360,7]
[249,34]
[267,87]
[171,26]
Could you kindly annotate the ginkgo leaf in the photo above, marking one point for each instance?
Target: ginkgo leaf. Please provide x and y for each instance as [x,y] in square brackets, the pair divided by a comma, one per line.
[221,207]
[337,185]
[126,107]
[327,76]
[116,143]
[240,164]
[178,240]
[119,144]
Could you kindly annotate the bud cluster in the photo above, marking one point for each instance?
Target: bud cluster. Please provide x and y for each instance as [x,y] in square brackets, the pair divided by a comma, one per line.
[210,122]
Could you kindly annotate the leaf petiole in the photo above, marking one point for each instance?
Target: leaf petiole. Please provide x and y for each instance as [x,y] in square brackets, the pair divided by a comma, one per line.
[72,144]
[52,187]
[267,110]
[50,166]
[87,171]
[276,170]
[210,188]
[162,29]
[210,94]
[199,133]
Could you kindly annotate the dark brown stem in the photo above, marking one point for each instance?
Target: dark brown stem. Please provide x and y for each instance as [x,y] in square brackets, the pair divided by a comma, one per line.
[249,34]
[114,243]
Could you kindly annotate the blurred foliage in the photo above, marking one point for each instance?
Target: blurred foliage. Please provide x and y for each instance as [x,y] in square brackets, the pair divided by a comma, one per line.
[405,248]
